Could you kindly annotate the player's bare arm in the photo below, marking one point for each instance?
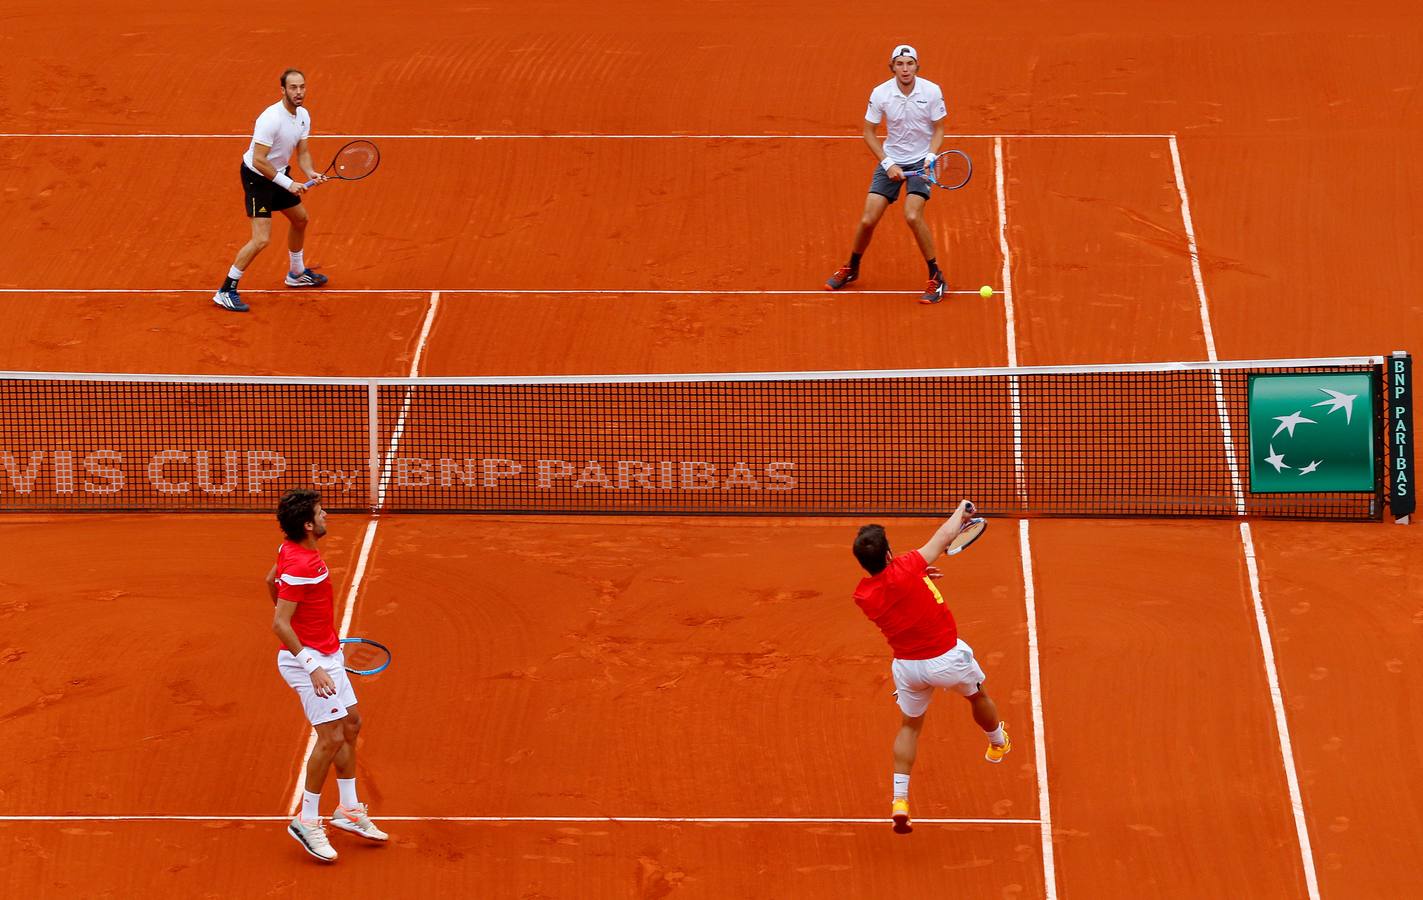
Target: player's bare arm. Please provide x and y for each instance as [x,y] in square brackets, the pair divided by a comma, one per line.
[272,584]
[937,544]
[282,627]
[303,158]
[877,148]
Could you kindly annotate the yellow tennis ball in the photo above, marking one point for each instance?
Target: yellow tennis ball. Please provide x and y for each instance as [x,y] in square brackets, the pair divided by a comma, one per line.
[985,291]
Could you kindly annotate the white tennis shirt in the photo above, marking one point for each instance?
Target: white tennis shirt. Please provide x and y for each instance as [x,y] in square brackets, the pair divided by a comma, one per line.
[909,118]
[281,131]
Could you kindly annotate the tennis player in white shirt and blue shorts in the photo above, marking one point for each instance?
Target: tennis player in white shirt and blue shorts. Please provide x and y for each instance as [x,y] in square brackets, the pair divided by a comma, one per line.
[267,187]
[914,114]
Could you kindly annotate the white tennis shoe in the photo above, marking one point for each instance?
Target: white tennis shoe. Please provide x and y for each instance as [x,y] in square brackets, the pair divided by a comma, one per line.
[357,821]
[312,837]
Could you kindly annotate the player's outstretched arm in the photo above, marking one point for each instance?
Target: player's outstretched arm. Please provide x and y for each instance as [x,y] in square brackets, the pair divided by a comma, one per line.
[940,541]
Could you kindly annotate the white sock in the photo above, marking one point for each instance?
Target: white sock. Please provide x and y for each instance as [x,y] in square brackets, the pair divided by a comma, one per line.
[234,273]
[298,264]
[901,786]
[348,792]
[310,805]
[996,736]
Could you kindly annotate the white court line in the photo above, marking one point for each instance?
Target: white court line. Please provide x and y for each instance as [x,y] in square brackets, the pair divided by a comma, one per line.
[592,136]
[1222,413]
[1035,691]
[694,820]
[1010,325]
[369,541]
[1247,542]
[542,292]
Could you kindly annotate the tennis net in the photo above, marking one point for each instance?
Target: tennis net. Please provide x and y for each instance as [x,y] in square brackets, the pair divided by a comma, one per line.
[1132,440]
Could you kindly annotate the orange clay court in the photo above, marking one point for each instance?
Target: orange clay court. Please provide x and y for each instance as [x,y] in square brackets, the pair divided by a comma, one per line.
[689,706]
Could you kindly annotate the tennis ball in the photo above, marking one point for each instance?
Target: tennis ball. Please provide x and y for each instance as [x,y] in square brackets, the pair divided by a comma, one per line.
[985,291]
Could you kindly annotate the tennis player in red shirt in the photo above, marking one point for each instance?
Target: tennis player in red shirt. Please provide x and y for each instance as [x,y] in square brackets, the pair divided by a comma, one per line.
[310,661]
[899,596]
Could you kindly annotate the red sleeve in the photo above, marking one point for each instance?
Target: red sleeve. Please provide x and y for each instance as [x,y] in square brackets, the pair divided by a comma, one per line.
[294,581]
[912,562]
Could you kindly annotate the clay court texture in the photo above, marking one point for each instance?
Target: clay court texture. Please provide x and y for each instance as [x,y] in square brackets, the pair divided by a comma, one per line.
[689,706]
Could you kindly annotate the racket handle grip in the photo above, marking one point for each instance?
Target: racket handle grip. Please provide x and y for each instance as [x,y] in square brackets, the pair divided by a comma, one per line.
[309,184]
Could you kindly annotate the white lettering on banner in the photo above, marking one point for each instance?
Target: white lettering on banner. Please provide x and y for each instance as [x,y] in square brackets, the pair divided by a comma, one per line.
[592,474]
[104,464]
[783,474]
[494,469]
[327,478]
[698,476]
[634,472]
[263,465]
[23,482]
[414,472]
[158,479]
[549,469]
[63,471]
[231,469]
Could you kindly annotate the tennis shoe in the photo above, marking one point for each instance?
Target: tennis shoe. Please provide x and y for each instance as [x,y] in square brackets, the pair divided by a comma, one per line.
[934,290]
[843,276]
[357,821]
[899,815]
[312,837]
[305,278]
[995,753]
[229,299]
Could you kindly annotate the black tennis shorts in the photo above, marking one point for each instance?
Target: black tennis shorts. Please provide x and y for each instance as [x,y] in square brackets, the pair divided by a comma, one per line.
[262,195]
[882,184]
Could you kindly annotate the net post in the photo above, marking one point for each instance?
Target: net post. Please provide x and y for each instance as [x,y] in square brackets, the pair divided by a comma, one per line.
[1398,401]
[373,441]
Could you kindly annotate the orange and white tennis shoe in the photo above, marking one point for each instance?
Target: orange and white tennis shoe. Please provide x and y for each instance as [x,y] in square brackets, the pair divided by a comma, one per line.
[357,821]
[312,837]
[995,753]
[899,815]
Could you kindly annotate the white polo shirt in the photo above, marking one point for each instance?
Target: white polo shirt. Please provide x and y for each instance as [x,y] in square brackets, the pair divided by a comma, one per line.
[281,131]
[909,118]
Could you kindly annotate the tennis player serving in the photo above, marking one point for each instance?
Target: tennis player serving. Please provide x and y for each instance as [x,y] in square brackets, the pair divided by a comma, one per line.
[267,187]
[900,597]
[311,663]
[914,113]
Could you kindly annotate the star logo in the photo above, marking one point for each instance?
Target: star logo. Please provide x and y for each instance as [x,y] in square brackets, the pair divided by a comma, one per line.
[1288,423]
[1277,460]
[1337,401]
[1311,467]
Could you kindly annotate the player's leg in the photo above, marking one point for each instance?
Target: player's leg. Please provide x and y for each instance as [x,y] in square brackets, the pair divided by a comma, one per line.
[351,814]
[985,715]
[883,192]
[306,826]
[227,296]
[914,204]
[298,275]
[913,696]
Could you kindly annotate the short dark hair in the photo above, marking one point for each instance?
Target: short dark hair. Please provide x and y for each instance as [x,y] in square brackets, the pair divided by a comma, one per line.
[291,72]
[295,509]
[870,548]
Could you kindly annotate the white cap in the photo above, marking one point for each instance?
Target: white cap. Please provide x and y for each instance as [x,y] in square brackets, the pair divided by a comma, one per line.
[903,50]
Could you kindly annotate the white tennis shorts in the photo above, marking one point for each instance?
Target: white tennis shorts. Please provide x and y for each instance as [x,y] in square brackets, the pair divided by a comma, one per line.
[915,679]
[319,710]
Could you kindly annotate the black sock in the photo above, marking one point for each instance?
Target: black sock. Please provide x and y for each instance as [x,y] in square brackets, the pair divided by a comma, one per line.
[855,261]
[229,284]
[934,268]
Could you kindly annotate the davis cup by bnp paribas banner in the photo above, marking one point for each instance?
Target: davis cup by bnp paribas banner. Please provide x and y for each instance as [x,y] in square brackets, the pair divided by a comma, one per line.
[1311,433]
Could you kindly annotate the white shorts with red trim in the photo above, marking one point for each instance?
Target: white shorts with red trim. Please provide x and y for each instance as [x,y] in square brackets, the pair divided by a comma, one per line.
[319,710]
[915,679]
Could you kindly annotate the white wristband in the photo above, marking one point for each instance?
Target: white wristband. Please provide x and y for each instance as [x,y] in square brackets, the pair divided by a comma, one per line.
[308,661]
[282,181]
[886,163]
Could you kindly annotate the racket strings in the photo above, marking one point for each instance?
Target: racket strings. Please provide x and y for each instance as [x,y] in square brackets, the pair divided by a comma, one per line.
[356,160]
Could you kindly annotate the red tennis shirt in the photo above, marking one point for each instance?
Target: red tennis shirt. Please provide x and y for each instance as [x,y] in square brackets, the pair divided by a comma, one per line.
[907,607]
[303,579]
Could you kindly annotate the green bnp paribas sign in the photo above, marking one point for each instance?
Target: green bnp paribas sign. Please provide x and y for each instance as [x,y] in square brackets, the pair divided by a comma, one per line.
[1311,433]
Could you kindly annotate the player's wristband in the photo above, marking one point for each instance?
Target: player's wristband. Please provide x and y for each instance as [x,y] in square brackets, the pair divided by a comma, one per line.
[308,661]
[886,163]
[282,181]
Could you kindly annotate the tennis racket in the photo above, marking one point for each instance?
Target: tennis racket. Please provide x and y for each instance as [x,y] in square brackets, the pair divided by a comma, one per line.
[352,162]
[364,656]
[950,170]
[972,530]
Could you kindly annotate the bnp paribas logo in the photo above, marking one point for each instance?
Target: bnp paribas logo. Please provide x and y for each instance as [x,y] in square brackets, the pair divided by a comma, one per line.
[1311,433]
